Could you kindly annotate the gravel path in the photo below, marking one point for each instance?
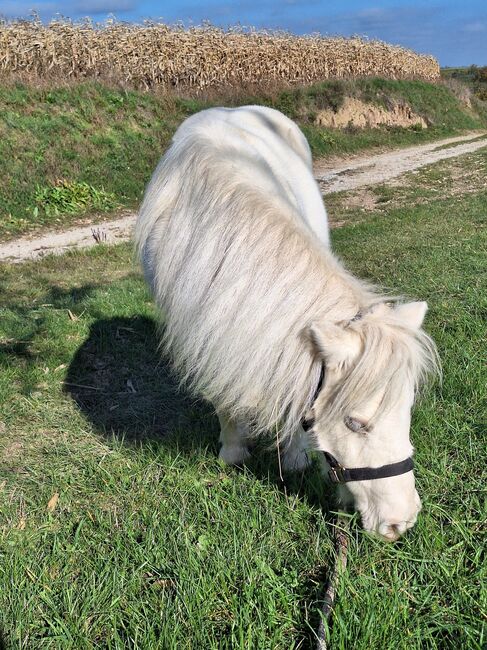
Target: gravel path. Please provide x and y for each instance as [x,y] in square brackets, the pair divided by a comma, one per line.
[333,175]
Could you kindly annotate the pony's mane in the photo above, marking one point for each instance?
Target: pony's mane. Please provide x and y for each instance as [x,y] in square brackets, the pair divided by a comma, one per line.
[238,278]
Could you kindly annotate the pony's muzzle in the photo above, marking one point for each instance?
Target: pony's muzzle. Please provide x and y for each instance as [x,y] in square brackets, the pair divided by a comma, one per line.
[391,531]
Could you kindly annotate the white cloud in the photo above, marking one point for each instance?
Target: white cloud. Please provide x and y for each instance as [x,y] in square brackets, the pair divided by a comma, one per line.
[12,9]
[475,28]
[103,6]
[23,8]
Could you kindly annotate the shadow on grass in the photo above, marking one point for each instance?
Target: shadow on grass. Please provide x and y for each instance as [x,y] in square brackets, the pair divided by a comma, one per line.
[126,389]
[120,381]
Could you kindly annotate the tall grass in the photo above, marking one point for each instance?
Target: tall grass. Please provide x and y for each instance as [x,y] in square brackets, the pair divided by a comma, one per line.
[196,58]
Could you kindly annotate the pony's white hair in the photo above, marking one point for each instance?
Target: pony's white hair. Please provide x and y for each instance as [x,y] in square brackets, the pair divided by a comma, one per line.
[239,278]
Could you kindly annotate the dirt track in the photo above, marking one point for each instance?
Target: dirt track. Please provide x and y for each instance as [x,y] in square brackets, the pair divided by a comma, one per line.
[333,175]
[337,176]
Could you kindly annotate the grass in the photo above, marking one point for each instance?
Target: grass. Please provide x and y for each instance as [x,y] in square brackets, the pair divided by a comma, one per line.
[108,139]
[67,197]
[119,528]
[152,543]
[88,134]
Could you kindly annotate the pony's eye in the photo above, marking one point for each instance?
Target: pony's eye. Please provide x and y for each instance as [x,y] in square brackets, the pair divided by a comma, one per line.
[355,425]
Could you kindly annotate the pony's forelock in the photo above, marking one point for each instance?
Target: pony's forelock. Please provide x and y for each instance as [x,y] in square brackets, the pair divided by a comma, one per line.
[392,355]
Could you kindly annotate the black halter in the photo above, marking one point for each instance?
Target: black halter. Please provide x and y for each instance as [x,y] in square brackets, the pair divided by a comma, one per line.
[340,474]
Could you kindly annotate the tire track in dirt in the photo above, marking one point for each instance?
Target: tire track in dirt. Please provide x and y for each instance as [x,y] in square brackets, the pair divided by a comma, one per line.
[333,175]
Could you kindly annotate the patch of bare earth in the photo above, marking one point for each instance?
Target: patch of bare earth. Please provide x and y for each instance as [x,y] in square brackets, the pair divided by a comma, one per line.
[341,205]
[361,115]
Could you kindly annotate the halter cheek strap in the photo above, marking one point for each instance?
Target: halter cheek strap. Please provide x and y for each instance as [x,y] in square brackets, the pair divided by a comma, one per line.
[308,424]
[340,474]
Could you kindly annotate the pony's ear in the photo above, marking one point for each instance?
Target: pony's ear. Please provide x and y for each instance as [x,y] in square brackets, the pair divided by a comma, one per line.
[412,313]
[335,344]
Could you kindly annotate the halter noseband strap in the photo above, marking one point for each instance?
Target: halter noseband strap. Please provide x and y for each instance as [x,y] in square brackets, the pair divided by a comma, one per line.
[340,474]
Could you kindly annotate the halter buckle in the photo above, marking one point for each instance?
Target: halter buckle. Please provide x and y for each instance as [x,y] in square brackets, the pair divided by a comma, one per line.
[336,474]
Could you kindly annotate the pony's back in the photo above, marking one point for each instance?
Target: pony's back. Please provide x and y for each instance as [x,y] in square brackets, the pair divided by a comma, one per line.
[254,146]
[265,124]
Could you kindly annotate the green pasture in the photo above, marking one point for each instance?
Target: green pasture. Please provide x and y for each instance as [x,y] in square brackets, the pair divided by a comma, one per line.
[119,528]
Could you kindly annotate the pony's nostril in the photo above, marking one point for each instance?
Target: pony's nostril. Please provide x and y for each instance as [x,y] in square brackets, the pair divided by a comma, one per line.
[392,532]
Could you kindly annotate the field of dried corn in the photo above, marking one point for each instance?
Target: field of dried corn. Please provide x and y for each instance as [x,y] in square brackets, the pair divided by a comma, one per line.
[201,57]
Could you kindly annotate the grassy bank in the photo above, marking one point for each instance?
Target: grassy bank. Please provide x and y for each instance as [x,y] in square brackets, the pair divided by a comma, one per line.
[474,77]
[120,529]
[86,148]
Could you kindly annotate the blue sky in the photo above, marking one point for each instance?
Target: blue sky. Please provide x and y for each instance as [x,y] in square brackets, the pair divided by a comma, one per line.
[454,31]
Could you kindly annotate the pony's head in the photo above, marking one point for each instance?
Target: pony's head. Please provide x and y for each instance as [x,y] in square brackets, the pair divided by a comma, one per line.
[374,366]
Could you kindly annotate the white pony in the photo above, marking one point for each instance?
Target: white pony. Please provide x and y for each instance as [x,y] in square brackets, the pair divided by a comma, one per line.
[233,239]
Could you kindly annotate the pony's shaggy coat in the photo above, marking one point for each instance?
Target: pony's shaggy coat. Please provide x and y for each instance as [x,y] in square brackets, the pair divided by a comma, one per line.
[240,272]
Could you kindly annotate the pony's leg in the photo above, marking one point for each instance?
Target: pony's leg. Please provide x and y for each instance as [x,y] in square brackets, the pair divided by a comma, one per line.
[233,437]
[295,457]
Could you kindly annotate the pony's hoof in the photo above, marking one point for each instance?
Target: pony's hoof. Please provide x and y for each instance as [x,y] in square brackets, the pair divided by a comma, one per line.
[235,455]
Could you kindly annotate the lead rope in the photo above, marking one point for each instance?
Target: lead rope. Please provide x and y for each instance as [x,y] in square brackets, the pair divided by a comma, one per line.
[341,544]
[341,549]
